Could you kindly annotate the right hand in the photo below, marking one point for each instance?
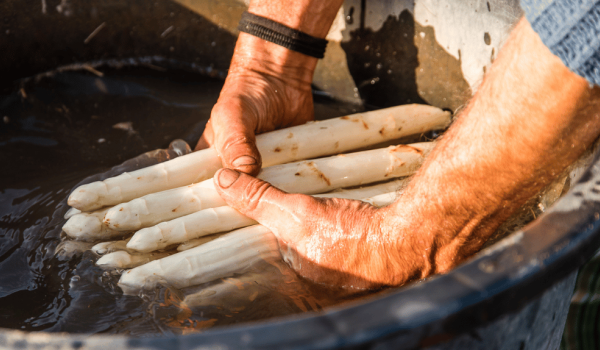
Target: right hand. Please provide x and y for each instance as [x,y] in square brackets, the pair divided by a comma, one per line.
[268,87]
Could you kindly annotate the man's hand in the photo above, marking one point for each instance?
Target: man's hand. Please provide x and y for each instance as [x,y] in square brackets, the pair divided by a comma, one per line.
[332,241]
[268,87]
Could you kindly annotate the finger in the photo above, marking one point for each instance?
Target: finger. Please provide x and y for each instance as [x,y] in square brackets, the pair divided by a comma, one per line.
[262,202]
[234,138]
[206,140]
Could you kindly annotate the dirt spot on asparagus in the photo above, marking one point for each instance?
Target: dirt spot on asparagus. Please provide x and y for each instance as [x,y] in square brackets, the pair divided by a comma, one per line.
[406,148]
[121,209]
[294,149]
[365,125]
[337,144]
[116,225]
[312,167]
[297,174]
[400,129]
[139,177]
[290,135]
[382,131]
[391,169]
[174,210]
[345,117]
[277,150]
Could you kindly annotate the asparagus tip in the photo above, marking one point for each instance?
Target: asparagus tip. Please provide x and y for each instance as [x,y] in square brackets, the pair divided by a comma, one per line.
[146,240]
[118,259]
[83,199]
[119,218]
[80,226]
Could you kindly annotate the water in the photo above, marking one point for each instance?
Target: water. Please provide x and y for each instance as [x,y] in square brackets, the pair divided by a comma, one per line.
[60,130]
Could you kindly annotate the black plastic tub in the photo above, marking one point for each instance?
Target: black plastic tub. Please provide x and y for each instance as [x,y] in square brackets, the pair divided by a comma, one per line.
[513,295]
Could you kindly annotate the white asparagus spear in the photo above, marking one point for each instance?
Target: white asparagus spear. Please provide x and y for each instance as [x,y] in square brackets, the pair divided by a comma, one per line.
[162,206]
[90,227]
[381,200]
[231,253]
[198,241]
[66,250]
[123,260]
[306,141]
[109,247]
[195,228]
[71,212]
[202,223]
[221,219]
[309,177]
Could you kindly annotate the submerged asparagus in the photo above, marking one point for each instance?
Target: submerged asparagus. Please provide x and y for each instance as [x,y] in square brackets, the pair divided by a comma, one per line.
[71,212]
[202,223]
[90,227]
[198,241]
[300,142]
[123,260]
[231,253]
[309,177]
[221,219]
[109,247]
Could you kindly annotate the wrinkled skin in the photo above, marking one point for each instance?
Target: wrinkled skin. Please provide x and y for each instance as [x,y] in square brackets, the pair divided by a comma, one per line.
[260,94]
[332,241]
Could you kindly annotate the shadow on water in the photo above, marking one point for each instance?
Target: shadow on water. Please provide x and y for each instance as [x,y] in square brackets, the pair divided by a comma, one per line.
[403,63]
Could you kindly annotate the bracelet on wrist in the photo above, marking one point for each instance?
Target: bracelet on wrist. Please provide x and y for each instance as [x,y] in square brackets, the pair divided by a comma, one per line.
[282,35]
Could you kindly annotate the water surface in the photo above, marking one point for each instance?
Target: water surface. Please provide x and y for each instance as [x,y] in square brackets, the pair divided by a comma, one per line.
[59,130]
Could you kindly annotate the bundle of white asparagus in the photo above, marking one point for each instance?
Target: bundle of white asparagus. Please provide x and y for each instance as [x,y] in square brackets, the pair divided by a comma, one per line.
[175,204]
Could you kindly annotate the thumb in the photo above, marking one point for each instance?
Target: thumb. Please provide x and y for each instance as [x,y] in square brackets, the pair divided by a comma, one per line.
[234,138]
[261,201]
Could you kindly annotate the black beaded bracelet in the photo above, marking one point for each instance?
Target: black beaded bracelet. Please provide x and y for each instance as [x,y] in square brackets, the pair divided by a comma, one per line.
[281,35]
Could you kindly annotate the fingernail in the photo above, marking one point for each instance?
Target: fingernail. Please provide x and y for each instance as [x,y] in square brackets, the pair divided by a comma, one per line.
[244,160]
[227,177]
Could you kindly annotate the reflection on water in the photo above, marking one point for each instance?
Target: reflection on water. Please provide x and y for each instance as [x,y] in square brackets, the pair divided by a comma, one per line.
[62,129]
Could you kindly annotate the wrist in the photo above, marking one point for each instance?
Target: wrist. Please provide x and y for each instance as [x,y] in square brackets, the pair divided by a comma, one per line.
[308,16]
[258,55]
[442,223]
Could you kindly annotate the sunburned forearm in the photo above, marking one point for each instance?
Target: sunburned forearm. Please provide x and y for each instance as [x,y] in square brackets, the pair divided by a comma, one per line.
[530,119]
[313,17]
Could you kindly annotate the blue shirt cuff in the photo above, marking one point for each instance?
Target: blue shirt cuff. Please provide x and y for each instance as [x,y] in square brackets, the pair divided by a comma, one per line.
[571,30]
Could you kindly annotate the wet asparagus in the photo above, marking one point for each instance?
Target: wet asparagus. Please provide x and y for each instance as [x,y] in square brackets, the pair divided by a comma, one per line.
[309,177]
[231,253]
[300,142]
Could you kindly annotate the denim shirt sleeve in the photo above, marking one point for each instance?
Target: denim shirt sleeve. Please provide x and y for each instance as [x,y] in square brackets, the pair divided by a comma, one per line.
[571,30]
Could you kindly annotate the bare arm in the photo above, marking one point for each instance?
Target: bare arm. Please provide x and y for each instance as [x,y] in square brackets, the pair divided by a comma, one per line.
[530,118]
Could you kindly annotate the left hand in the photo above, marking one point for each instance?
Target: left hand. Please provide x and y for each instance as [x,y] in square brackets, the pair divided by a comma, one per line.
[332,241]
